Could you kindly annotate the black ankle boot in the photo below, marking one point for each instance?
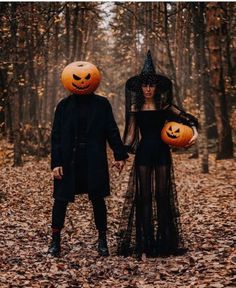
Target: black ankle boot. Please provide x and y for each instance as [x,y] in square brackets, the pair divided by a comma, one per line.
[102,244]
[55,246]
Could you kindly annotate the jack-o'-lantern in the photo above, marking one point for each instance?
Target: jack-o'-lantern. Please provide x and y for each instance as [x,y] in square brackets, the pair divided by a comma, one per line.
[176,134]
[81,77]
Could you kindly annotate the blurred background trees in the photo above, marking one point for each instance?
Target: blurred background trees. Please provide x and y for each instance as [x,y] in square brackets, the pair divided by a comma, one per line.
[192,43]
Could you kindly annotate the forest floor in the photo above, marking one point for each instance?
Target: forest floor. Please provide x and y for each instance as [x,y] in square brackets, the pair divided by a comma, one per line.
[207,205]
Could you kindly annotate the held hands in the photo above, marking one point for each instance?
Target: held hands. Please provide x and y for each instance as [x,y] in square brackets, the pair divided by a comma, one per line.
[119,165]
[57,172]
[193,139]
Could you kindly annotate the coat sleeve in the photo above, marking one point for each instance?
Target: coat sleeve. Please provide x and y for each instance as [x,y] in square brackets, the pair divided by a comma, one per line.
[113,136]
[56,138]
[174,113]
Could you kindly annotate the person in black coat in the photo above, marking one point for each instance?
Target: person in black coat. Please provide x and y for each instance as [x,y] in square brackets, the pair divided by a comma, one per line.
[83,124]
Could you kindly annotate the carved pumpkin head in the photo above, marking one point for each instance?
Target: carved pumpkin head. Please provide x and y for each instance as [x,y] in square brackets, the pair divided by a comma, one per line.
[81,77]
[176,134]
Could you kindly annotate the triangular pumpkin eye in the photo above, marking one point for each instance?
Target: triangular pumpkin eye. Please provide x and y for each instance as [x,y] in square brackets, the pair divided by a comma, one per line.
[170,128]
[88,77]
[76,77]
[177,131]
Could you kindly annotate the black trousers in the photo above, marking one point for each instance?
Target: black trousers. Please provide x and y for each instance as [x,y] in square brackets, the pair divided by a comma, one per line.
[99,211]
[99,205]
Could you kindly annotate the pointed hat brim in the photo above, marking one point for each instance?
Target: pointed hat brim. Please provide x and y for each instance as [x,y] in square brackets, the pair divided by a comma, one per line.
[148,75]
[162,82]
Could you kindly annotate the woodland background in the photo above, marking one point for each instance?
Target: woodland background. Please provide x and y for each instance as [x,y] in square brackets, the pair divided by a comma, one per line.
[194,44]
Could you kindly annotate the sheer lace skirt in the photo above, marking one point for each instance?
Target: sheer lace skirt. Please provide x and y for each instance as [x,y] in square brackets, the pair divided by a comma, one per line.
[150,220]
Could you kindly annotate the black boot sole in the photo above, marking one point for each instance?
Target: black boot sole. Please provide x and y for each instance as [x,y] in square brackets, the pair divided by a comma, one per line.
[54,252]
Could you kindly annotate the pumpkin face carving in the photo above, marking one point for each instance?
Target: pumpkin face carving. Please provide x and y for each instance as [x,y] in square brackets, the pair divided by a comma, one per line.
[81,77]
[173,134]
[176,134]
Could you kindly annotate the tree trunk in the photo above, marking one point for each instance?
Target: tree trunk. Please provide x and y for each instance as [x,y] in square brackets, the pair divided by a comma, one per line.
[55,74]
[201,83]
[172,66]
[67,19]
[214,25]
[75,33]
[13,91]
[45,112]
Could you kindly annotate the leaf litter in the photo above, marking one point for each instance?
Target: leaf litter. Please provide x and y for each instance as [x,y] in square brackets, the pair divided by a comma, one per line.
[207,206]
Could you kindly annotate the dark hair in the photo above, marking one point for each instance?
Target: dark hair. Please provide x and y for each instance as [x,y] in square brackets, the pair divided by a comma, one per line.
[141,99]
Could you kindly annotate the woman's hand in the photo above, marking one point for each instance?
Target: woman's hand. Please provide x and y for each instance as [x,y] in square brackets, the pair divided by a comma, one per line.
[58,172]
[193,139]
[119,165]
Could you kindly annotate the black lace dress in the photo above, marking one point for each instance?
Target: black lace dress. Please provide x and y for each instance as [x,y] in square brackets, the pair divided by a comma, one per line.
[150,220]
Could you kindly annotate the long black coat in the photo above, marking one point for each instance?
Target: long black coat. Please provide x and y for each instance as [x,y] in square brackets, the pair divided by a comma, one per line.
[101,128]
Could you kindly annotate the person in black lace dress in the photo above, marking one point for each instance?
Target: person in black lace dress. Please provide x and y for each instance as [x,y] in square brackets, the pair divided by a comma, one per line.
[150,221]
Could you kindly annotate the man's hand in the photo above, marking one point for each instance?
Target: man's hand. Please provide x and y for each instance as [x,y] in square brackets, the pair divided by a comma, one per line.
[58,172]
[193,139]
[119,165]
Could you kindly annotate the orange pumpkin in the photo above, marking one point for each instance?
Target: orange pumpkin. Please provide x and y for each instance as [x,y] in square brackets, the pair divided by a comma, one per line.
[81,77]
[176,134]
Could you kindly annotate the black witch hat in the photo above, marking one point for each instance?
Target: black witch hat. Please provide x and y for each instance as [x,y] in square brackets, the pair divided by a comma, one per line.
[148,75]
[148,67]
